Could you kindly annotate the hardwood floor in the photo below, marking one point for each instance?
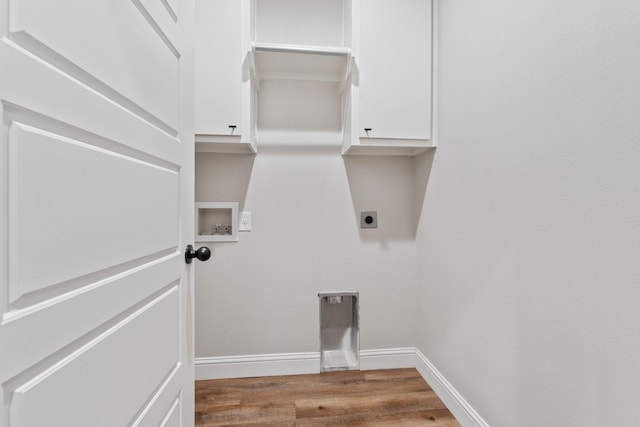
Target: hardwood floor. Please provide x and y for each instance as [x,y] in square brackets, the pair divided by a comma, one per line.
[394,397]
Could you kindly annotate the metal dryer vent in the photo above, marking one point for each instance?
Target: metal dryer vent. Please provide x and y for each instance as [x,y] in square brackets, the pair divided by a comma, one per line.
[339,331]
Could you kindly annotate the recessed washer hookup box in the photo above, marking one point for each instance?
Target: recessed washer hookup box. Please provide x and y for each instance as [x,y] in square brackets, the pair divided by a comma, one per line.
[339,331]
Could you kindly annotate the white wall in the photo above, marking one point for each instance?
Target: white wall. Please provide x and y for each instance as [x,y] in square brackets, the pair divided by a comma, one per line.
[259,295]
[530,231]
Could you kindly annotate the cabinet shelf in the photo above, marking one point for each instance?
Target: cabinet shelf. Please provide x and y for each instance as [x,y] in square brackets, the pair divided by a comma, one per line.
[301,62]
[388,147]
[226,144]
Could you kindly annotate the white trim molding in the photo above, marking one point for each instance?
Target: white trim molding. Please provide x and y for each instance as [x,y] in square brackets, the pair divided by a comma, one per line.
[459,407]
[261,365]
[388,358]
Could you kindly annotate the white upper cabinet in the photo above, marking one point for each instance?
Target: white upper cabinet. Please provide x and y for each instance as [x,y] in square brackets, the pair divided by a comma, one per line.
[389,110]
[223,119]
[365,62]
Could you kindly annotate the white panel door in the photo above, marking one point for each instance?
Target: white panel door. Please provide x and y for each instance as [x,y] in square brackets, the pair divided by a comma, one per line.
[394,67]
[96,208]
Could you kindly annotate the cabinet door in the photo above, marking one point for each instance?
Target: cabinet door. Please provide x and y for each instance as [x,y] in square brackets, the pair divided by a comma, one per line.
[395,68]
[218,77]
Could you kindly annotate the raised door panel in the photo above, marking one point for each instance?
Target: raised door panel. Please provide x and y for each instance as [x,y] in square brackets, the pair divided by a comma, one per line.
[120,47]
[70,312]
[172,8]
[394,67]
[99,371]
[172,419]
[66,202]
[219,69]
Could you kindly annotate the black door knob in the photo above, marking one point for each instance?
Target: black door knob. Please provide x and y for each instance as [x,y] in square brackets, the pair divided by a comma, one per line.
[203,254]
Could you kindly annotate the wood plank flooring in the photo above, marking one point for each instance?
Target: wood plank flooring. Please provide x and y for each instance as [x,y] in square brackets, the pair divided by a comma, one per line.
[394,397]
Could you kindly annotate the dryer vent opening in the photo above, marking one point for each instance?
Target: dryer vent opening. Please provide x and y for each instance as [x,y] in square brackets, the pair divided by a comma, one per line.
[339,331]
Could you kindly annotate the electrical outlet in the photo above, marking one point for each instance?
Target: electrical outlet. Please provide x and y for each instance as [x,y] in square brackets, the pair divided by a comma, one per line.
[245,221]
[369,219]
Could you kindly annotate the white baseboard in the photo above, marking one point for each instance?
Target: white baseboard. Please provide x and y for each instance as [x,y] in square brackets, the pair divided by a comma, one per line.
[388,358]
[262,365]
[459,407]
